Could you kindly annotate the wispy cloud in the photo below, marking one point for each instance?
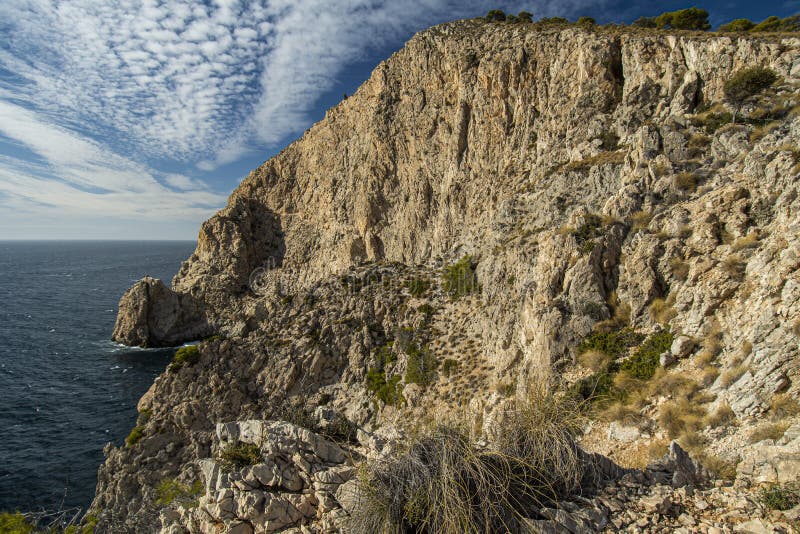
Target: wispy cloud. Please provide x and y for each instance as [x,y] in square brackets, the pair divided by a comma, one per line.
[79,176]
[195,84]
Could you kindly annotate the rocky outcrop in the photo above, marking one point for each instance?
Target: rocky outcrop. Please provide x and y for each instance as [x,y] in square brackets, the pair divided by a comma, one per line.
[292,481]
[593,184]
[152,315]
[772,461]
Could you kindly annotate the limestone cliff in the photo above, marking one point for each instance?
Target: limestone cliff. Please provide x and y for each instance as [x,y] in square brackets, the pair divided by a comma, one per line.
[590,177]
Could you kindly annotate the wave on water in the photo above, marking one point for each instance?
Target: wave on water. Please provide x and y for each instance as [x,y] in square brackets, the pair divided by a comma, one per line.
[66,389]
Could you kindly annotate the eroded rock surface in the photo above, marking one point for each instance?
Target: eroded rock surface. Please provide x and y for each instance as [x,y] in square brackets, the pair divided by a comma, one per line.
[592,181]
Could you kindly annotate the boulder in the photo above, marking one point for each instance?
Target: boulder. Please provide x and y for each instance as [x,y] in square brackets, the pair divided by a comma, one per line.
[153,315]
[682,346]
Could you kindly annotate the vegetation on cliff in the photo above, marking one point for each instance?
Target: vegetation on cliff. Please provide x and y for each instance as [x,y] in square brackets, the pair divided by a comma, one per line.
[446,481]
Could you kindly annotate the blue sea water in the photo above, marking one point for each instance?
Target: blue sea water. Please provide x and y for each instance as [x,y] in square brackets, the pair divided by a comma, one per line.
[65,388]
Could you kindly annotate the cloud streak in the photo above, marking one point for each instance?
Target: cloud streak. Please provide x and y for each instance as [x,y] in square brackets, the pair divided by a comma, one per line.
[194,84]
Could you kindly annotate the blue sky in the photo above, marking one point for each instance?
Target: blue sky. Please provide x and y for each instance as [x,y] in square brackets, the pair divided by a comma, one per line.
[135,120]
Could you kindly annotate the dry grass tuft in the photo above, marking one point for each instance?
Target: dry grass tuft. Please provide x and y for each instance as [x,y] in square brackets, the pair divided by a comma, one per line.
[712,345]
[723,416]
[680,417]
[692,441]
[679,268]
[444,481]
[661,310]
[594,360]
[685,181]
[722,468]
[762,131]
[657,448]
[773,431]
[709,375]
[672,383]
[603,158]
[622,412]
[735,266]
[640,220]
[620,315]
[783,406]
[733,374]
[745,242]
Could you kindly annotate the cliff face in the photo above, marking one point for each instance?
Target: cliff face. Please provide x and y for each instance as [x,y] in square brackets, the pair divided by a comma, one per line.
[586,175]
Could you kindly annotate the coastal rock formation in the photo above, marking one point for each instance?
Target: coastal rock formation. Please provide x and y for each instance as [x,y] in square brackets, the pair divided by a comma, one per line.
[498,204]
[152,315]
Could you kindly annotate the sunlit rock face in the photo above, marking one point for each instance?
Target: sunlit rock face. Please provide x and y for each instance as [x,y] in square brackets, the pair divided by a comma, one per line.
[592,179]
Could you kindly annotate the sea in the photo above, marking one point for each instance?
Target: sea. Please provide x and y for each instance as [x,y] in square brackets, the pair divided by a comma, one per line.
[66,389]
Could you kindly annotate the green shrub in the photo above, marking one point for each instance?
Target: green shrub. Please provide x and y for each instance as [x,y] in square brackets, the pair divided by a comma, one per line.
[184,357]
[644,362]
[89,523]
[587,231]
[169,489]
[340,429]
[135,436]
[780,497]
[738,25]
[747,83]
[524,16]
[495,15]
[239,455]
[297,414]
[418,286]
[421,365]
[14,523]
[385,355]
[587,21]
[597,386]
[144,417]
[774,24]
[645,22]
[684,19]
[387,391]
[460,278]
[427,310]
[615,343]
[449,366]
[553,20]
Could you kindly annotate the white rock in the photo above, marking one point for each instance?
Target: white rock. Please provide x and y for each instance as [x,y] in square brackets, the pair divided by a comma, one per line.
[682,346]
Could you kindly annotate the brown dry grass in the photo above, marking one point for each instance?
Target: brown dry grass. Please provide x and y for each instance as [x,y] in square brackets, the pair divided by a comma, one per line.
[679,268]
[723,416]
[661,310]
[745,242]
[594,359]
[733,374]
[445,481]
[768,431]
[783,406]
[680,417]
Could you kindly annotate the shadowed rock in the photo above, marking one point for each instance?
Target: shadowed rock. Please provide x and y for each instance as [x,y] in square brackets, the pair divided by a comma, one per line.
[152,315]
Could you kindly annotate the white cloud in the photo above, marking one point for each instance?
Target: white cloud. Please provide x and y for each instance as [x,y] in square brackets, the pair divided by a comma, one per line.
[179,79]
[200,84]
[75,176]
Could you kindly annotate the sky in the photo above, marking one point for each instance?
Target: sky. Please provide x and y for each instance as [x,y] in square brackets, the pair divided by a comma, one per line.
[135,120]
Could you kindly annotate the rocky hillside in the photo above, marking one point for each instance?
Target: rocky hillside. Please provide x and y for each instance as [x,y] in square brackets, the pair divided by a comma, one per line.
[497,206]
